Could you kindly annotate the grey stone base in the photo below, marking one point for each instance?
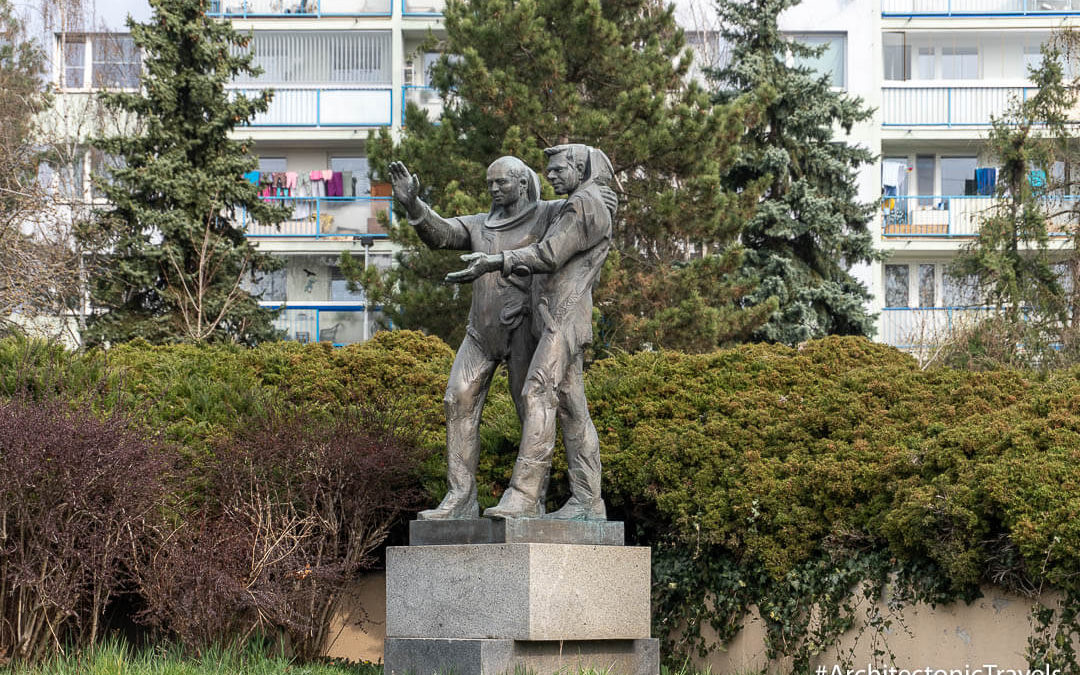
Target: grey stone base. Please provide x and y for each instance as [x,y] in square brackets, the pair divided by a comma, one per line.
[516,531]
[518,592]
[427,656]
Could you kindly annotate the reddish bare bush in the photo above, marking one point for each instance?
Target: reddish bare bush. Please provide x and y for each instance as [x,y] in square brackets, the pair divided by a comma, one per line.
[75,494]
[297,505]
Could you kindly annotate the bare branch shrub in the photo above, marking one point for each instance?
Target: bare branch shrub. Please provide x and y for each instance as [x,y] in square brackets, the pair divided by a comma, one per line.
[297,505]
[76,492]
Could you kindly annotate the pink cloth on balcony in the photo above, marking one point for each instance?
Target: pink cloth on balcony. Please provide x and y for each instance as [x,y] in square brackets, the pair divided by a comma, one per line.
[316,175]
[290,180]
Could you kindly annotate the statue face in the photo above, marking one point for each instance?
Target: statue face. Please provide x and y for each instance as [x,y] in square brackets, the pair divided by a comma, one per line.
[562,175]
[504,188]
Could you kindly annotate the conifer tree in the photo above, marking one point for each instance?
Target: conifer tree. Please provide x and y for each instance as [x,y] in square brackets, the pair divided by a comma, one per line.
[522,75]
[171,254]
[809,229]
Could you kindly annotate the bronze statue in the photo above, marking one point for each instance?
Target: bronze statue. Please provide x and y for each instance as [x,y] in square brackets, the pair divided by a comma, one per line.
[563,266]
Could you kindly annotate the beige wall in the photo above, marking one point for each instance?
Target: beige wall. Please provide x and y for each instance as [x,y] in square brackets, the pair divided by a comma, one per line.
[991,631]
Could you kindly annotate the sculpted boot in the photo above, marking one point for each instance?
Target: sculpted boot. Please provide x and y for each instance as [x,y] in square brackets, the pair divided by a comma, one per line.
[454,506]
[522,498]
[585,503]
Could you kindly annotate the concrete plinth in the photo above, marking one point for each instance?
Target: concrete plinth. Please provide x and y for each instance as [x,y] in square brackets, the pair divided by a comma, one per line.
[516,531]
[518,592]
[418,656]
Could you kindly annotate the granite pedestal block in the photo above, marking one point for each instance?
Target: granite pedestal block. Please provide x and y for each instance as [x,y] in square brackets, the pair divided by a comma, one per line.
[516,531]
[417,656]
[518,592]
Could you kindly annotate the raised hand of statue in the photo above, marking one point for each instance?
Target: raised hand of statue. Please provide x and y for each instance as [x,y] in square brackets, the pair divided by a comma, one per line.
[406,186]
[479,265]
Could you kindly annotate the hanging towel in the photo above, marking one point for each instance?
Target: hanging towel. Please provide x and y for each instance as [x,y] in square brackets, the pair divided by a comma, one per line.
[985,181]
[290,182]
[1037,178]
[252,177]
[890,173]
[346,184]
[316,175]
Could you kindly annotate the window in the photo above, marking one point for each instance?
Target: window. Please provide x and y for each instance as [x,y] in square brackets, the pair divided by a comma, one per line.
[924,63]
[272,164]
[831,60]
[65,181]
[896,285]
[101,166]
[958,175]
[959,291]
[959,63]
[116,62]
[430,59]
[925,178]
[74,63]
[270,286]
[1032,58]
[359,168]
[926,285]
[339,288]
[897,55]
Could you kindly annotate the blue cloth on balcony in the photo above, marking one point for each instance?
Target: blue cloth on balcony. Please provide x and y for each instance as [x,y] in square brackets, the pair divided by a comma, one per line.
[1037,178]
[252,177]
[985,181]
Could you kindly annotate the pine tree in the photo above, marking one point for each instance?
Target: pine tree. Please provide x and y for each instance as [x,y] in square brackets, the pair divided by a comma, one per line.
[1010,264]
[171,256]
[522,75]
[809,229]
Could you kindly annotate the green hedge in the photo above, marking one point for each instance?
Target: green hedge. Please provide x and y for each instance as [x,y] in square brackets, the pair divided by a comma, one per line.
[760,467]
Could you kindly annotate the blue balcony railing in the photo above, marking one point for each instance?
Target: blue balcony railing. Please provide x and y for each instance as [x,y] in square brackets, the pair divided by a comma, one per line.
[425,98]
[324,218]
[326,107]
[242,9]
[950,106]
[978,8]
[959,216]
[338,324]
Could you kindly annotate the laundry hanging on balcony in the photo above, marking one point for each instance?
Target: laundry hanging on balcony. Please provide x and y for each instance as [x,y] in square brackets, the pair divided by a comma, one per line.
[985,181]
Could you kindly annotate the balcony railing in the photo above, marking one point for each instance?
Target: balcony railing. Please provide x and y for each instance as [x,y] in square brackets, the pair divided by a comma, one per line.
[324,218]
[425,98]
[959,216]
[908,8]
[338,324]
[919,328]
[422,7]
[234,9]
[960,106]
[326,107]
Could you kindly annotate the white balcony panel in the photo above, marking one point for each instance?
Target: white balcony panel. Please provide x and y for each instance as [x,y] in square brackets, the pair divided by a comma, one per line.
[320,57]
[961,7]
[424,6]
[354,7]
[363,107]
[928,326]
[946,106]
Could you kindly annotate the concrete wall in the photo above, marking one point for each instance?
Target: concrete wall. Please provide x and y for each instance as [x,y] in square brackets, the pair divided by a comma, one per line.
[991,631]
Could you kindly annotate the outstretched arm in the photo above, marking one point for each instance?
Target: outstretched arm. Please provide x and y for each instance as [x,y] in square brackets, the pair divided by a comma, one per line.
[434,230]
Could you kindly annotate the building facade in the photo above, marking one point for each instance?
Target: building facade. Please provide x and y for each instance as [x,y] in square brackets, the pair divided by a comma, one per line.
[934,71]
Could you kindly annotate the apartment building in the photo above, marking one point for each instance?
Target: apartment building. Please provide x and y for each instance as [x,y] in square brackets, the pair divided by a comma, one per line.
[340,69]
[936,71]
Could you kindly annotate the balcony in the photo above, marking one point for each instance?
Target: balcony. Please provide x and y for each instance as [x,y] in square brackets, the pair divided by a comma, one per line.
[327,218]
[977,8]
[337,324]
[422,7]
[922,327]
[957,216]
[425,98]
[242,9]
[946,106]
[326,107]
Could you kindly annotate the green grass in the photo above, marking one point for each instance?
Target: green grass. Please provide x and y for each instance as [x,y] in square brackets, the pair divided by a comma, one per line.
[114,658]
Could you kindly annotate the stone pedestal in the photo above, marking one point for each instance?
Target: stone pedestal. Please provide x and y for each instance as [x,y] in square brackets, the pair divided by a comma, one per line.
[518,605]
